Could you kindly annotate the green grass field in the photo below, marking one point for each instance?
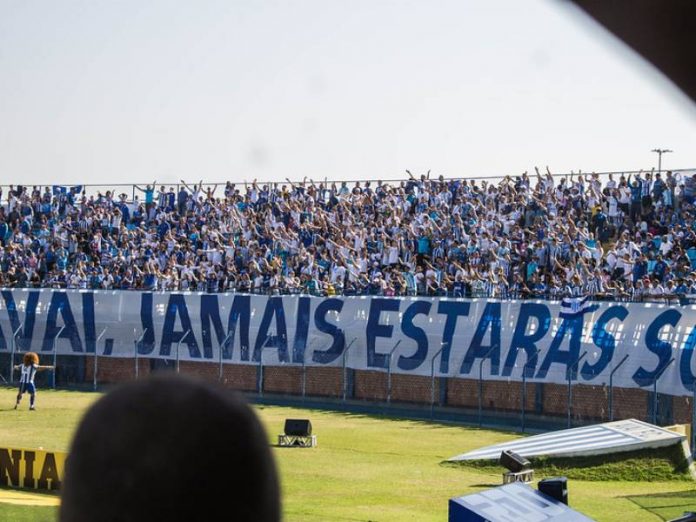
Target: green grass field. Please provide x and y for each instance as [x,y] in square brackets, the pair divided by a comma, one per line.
[364,468]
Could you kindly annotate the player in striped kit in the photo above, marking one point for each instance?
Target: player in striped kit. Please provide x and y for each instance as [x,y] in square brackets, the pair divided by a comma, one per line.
[28,368]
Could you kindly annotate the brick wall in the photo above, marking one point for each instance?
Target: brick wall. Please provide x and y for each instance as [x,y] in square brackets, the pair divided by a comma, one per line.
[590,403]
[325,382]
[277,379]
[682,408]
[371,385]
[112,370]
[462,393]
[413,389]
[496,395]
[242,377]
[630,403]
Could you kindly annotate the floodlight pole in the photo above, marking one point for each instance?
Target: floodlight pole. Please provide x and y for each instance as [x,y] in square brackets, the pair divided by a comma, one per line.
[660,152]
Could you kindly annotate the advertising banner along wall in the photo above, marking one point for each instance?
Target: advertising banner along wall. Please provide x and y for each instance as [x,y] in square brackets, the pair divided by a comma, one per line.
[451,337]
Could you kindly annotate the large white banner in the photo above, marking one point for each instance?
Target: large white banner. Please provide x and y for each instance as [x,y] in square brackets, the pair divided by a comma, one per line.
[548,341]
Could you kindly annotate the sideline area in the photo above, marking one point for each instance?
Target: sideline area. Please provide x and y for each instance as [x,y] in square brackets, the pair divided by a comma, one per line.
[25,498]
[364,466]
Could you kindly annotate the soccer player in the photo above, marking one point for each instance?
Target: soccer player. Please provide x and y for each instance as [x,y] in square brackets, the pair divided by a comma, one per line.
[28,368]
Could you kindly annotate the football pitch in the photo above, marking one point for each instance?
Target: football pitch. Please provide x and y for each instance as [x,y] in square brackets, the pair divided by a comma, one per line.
[364,468]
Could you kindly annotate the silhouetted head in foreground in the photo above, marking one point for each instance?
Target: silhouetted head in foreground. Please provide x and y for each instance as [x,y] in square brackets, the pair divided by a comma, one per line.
[170,448]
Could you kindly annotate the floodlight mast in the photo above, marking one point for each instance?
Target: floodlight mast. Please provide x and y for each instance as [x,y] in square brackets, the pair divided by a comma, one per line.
[660,152]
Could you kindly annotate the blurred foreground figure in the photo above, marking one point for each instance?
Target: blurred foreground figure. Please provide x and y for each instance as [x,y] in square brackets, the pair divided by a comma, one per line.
[170,448]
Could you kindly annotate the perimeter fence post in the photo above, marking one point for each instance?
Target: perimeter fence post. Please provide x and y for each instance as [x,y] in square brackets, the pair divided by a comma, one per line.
[136,344]
[223,347]
[14,349]
[178,344]
[345,370]
[55,355]
[389,372]
[570,385]
[611,387]
[432,379]
[96,357]
[657,378]
[524,388]
[480,385]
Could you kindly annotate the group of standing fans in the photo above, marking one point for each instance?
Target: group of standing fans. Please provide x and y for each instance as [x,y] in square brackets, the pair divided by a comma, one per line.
[539,236]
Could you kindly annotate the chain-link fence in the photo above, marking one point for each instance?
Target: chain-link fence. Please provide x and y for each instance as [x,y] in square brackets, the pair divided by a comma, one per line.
[526,406]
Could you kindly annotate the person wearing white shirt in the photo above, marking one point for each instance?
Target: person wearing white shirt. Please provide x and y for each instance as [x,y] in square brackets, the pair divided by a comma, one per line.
[666,245]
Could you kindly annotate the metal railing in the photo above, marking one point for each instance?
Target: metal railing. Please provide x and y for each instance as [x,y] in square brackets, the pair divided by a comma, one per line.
[132,191]
[668,299]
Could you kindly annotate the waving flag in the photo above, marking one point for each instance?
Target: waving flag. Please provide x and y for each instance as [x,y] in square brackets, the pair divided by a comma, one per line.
[575,306]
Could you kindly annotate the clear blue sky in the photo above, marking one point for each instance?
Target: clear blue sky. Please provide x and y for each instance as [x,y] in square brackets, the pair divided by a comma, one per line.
[129,91]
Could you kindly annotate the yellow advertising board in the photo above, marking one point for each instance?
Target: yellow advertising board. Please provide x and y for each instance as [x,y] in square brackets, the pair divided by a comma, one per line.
[31,469]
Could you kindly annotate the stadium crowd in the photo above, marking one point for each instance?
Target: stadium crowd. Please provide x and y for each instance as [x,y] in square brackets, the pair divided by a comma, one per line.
[526,236]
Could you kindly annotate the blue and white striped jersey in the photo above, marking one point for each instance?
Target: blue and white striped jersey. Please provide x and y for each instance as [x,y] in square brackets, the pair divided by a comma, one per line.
[27,373]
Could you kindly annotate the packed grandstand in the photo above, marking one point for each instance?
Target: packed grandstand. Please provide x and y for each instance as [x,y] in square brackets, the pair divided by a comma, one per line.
[629,237]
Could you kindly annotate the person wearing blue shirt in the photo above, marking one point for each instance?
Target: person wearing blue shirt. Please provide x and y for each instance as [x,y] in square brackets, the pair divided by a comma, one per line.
[4,232]
[636,194]
[162,229]
[149,191]
[182,199]
[424,246]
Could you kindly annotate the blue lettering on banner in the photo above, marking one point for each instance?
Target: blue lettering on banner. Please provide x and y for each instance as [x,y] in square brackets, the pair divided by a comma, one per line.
[299,344]
[147,344]
[13,316]
[573,326]
[274,309]
[375,329]
[88,322]
[603,340]
[417,334]
[477,350]
[662,349]
[210,312]
[688,378]
[501,337]
[3,342]
[27,332]
[176,307]
[240,315]
[334,351]
[528,343]
[453,310]
[60,303]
